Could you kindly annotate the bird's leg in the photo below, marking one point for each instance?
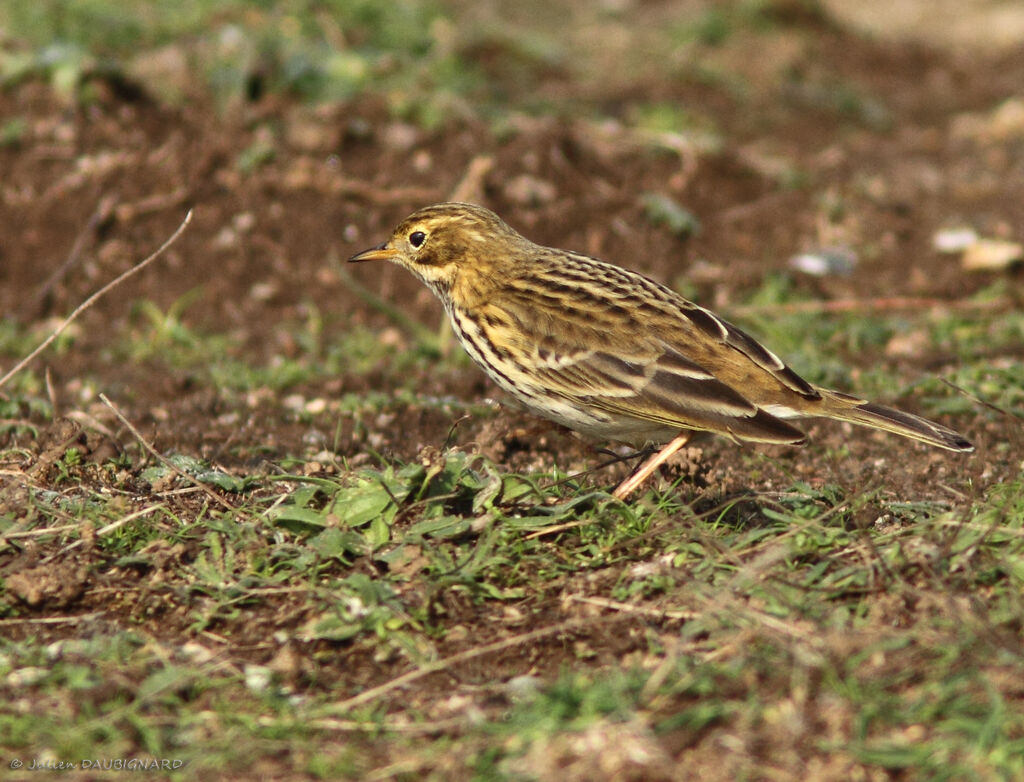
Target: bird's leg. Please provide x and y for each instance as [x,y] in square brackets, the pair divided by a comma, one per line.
[644,471]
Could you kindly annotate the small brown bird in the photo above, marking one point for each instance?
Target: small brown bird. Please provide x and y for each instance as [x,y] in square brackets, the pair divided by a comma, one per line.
[610,353]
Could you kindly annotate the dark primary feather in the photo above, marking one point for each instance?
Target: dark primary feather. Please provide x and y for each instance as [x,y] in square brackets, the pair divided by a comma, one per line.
[615,342]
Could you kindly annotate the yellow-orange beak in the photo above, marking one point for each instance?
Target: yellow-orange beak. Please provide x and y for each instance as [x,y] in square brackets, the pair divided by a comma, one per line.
[379,253]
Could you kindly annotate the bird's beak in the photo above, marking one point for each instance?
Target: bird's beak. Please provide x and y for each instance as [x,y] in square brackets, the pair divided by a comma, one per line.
[379,253]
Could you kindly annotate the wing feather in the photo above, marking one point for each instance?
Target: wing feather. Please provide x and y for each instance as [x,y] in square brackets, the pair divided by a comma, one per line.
[672,370]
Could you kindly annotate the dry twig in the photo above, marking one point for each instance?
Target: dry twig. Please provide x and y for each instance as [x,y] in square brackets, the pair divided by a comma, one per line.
[104,530]
[88,232]
[471,187]
[880,304]
[94,298]
[164,460]
[436,666]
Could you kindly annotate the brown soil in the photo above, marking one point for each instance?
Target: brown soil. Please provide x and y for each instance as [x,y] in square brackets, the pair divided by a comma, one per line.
[116,176]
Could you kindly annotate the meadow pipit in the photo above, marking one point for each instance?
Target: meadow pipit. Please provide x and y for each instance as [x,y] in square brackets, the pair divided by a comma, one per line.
[610,353]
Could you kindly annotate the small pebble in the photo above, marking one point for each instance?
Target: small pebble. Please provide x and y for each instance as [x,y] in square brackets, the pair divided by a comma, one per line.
[991,255]
[828,262]
[954,240]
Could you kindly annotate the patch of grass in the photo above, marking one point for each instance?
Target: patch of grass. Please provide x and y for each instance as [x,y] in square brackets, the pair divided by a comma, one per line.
[663,118]
[835,96]
[13,131]
[715,25]
[261,152]
[23,404]
[732,610]
[166,337]
[63,65]
[18,340]
[314,50]
[665,211]
[952,725]
[111,697]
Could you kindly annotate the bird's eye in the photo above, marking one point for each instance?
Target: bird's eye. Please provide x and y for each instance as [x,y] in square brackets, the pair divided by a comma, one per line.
[416,238]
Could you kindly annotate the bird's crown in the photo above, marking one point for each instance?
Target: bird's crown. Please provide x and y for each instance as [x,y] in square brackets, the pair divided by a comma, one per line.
[445,242]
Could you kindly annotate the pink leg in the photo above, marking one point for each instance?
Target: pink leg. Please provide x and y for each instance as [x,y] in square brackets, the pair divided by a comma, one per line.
[645,470]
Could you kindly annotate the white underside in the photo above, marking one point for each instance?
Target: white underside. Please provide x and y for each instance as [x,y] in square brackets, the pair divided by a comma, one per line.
[781,411]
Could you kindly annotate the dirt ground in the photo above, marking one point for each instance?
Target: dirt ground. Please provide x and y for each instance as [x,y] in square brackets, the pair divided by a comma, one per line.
[90,189]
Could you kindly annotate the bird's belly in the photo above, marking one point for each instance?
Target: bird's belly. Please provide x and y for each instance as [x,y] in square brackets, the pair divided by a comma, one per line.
[573,412]
[589,419]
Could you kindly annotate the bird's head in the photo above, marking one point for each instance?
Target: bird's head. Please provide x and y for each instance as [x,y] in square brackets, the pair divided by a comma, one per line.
[441,242]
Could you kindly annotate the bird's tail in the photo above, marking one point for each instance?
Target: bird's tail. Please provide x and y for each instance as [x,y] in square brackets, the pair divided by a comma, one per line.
[844,407]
